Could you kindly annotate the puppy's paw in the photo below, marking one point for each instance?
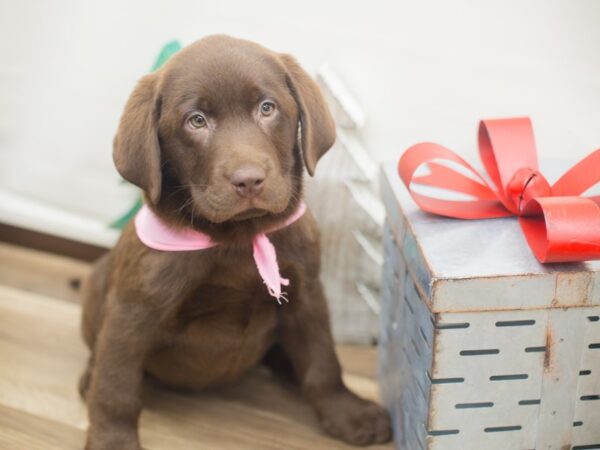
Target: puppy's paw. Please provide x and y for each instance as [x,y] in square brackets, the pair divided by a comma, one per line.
[354,420]
[112,438]
[107,445]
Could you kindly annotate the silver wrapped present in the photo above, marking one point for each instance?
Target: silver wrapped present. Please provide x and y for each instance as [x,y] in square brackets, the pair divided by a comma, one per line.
[481,346]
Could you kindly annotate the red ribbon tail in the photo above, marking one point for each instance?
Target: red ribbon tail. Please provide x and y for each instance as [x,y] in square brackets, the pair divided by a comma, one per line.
[562,229]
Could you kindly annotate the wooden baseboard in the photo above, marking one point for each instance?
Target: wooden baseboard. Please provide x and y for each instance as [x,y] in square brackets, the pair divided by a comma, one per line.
[50,243]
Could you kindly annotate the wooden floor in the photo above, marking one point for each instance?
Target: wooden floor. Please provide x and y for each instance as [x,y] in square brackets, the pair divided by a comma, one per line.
[42,355]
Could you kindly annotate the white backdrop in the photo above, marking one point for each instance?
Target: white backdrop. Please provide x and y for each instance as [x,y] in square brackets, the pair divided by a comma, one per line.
[421,70]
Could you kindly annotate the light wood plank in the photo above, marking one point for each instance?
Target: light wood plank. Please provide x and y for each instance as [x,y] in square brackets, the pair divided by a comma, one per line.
[40,272]
[19,430]
[42,355]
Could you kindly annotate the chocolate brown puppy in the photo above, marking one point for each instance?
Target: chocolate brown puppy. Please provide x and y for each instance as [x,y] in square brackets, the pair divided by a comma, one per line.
[218,140]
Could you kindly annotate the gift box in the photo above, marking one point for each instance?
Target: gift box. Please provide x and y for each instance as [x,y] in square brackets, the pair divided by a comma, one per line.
[482,346]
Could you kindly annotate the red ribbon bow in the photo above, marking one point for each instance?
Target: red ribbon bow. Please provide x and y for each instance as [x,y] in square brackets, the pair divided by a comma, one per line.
[559,225]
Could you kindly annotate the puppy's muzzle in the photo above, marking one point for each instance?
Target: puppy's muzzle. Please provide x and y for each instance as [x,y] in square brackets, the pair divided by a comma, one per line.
[248,180]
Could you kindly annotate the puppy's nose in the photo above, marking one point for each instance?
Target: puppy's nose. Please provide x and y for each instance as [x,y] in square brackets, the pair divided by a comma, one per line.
[248,180]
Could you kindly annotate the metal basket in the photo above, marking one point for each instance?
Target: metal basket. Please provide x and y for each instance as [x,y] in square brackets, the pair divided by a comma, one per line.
[484,349]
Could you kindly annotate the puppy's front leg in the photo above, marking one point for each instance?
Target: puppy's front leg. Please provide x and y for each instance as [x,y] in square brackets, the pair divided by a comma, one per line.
[307,341]
[114,397]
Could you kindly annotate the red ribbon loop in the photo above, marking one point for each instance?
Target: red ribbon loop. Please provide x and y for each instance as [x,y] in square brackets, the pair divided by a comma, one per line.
[559,225]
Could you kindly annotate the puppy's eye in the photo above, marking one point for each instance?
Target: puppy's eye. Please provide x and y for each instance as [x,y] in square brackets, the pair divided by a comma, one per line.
[197,121]
[267,108]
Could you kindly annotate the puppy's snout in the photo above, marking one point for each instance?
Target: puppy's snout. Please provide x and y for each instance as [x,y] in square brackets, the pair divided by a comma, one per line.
[248,180]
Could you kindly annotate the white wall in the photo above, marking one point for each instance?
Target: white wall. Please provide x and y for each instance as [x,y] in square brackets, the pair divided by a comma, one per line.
[422,70]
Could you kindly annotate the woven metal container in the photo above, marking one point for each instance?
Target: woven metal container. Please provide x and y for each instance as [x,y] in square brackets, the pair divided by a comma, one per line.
[482,347]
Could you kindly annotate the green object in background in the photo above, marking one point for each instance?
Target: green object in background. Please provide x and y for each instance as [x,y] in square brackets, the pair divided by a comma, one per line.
[120,223]
[166,52]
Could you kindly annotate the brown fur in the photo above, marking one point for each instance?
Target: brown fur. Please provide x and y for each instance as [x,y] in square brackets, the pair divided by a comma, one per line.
[197,319]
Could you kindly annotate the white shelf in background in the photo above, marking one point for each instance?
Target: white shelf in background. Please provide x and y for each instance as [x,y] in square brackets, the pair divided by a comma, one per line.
[370,296]
[370,247]
[347,111]
[24,212]
[359,154]
[367,200]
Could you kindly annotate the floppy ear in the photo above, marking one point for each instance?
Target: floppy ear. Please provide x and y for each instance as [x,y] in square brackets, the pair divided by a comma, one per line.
[136,149]
[316,124]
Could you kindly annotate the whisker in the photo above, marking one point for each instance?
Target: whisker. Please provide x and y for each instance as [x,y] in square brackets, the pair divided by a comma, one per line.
[181,187]
[187,203]
[201,186]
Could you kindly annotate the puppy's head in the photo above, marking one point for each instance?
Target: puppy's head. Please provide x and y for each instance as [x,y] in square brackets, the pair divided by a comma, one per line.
[218,136]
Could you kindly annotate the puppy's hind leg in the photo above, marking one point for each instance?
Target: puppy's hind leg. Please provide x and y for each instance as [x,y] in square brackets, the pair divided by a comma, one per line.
[86,378]
[93,298]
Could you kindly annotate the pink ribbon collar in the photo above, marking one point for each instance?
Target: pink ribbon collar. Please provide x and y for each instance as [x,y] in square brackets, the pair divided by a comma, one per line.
[155,234]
